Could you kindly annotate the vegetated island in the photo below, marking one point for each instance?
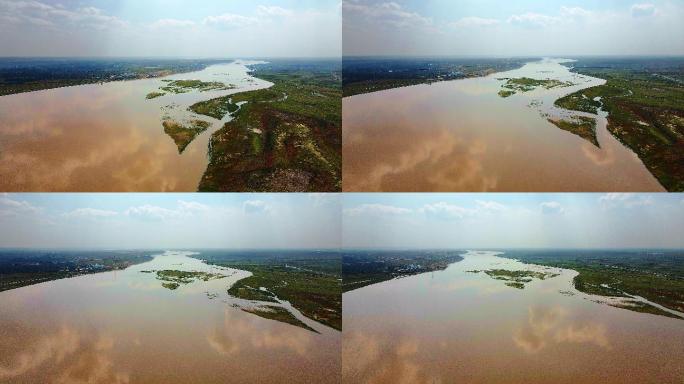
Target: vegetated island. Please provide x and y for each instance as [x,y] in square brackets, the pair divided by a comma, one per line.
[371,74]
[526,84]
[276,313]
[19,75]
[656,275]
[644,98]
[517,279]
[184,135]
[310,281]
[362,268]
[582,126]
[286,138]
[172,279]
[19,268]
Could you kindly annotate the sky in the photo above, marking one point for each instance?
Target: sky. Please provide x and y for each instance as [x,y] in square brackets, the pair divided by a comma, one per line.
[170,221]
[512,28]
[173,28]
[528,220]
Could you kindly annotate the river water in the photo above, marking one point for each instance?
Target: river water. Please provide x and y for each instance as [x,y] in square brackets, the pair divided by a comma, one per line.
[458,326]
[461,136]
[108,137]
[124,327]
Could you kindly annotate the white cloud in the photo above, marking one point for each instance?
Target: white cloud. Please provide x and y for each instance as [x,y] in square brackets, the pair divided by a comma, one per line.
[42,14]
[388,13]
[151,212]
[172,23]
[468,22]
[90,213]
[376,209]
[627,200]
[192,206]
[490,206]
[443,210]
[533,20]
[643,10]
[323,198]
[231,21]
[576,12]
[10,206]
[265,10]
[255,206]
[551,208]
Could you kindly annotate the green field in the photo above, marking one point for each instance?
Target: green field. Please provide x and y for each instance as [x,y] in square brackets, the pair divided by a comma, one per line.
[217,108]
[645,113]
[659,279]
[316,295]
[285,138]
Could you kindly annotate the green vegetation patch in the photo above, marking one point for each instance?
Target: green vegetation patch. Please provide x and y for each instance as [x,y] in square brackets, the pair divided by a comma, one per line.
[287,138]
[640,306]
[184,86]
[582,126]
[579,101]
[154,95]
[317,295]
[170,285]
[217,108]
[659,278]
[517,279]
[182,135]
[172,279]
[526,84]
[281,314]
[645,113]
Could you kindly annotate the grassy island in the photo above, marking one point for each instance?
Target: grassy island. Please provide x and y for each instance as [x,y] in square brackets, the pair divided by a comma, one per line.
[286,138]
[172,279]
[154,95]
[182,135]
[526,84]
[517,279]
[276,313]
[184,86]
[582,126]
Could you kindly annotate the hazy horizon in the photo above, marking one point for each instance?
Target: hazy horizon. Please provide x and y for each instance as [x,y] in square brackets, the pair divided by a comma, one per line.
[509,29]
[513,221]
[210,28]
[169,221]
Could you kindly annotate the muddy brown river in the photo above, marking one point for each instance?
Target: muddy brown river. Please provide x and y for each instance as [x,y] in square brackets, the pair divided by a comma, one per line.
[109,137]
[456,326]
[461,135]
[124,327]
